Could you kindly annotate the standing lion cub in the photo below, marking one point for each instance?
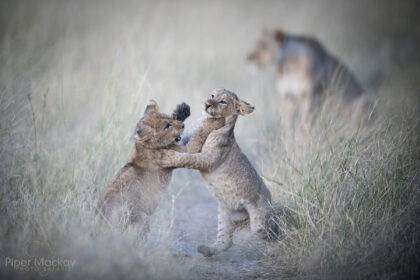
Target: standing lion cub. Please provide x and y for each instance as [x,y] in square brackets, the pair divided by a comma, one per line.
[231,178]
[140,184]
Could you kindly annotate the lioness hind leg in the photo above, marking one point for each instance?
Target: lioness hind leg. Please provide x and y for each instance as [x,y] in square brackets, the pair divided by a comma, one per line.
[305,117]
[289,110]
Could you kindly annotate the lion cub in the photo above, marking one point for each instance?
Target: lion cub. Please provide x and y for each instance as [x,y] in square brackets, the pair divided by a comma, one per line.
[231,178]
[140,184]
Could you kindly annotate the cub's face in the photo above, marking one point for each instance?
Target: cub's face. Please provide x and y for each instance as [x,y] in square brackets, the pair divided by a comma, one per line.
[157,130]
[267,49]
[223,103]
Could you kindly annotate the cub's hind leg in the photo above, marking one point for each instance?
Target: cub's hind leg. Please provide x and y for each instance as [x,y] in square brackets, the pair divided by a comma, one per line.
[140,221]
[225,229]
[258,219]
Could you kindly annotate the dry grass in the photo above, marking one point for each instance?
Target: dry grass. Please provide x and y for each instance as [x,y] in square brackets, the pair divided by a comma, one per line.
[74,80]
[352,196]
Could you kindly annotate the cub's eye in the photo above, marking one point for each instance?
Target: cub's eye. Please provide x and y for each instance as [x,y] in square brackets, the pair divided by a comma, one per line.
[222,102]
[168,125]
[212,96]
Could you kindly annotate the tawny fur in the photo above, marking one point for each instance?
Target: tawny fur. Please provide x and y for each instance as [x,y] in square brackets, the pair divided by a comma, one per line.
[307,72]
[231,178]
[140,184]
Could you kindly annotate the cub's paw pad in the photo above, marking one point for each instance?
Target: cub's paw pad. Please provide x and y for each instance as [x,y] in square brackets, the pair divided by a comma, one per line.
[182,112]
[205,250]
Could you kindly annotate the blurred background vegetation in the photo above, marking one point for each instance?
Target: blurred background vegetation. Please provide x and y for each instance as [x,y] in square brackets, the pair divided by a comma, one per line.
[75,77]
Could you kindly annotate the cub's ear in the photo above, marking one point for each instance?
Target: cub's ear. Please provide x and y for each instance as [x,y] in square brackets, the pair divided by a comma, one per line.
[181,112]
[142,132]
[152,107]
[244,108]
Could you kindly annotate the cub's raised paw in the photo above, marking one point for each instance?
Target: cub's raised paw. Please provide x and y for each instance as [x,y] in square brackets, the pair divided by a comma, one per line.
[164,157]
[205,250]
[182,112]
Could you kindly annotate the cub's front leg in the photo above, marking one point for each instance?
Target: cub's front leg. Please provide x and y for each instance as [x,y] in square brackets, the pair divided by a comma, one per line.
[200,136]
[202,161]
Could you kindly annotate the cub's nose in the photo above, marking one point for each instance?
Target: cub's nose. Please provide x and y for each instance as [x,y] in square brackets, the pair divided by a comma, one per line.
[183,125]
[178,138]
[208,105]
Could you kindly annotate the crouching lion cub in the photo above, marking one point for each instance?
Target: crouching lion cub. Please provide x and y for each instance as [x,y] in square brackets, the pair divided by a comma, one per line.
[231,178]
[140,184]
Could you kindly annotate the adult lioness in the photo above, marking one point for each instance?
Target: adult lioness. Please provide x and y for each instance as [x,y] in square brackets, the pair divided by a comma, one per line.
[306,71]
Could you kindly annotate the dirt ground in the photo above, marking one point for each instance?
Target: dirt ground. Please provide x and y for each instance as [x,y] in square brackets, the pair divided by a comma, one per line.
[195,223]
